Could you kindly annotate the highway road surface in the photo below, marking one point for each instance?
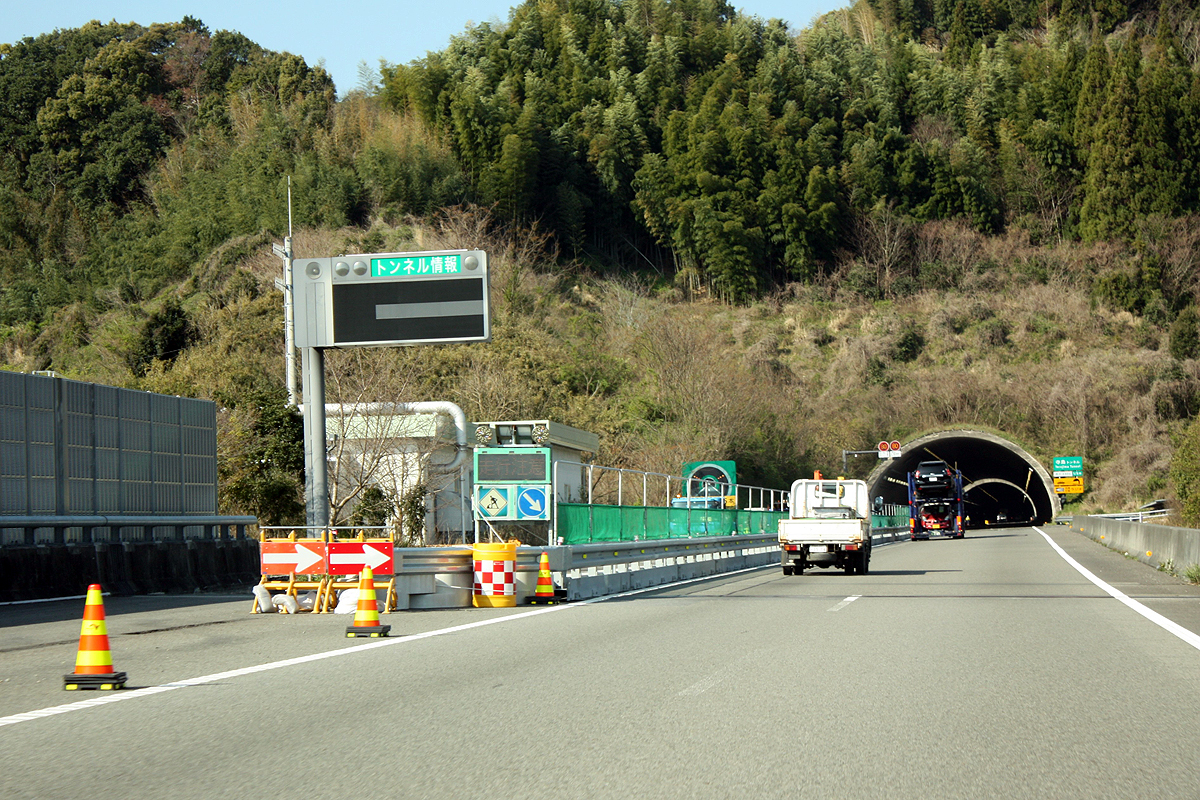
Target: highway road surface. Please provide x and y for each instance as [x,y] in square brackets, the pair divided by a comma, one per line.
[989,667]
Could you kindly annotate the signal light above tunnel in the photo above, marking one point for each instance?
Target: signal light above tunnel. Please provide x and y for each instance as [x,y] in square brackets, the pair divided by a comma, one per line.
[889,449]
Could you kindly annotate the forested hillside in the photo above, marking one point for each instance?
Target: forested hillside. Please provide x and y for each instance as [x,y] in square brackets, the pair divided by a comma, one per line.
[712,235]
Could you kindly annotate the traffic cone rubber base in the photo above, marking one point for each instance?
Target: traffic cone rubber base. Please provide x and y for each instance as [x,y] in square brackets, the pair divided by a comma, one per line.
[112,680]
[367,632]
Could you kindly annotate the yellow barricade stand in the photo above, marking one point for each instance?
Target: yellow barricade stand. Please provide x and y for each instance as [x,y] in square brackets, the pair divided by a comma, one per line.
[326,586]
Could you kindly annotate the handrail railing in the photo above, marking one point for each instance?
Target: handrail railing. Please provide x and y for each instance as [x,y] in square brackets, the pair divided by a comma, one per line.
[1123,516]
[768,499]
[213,526]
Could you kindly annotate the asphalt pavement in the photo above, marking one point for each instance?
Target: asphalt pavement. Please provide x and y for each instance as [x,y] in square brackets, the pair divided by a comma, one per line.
[983,667]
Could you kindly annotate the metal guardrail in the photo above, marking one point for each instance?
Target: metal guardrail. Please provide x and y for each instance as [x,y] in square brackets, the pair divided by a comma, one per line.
[440,577]
[211,527]
[1126,516]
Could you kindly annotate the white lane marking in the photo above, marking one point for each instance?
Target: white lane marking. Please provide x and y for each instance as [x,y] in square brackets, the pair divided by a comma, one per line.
[846,602]
[1158,619]
[119,695]
[700,687]
[46,600]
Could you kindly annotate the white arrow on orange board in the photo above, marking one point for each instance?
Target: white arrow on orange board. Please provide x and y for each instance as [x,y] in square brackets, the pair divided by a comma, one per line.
[370,556]
[303,558]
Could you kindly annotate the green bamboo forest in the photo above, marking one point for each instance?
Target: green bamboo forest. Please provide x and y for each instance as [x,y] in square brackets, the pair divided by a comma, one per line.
[712,236]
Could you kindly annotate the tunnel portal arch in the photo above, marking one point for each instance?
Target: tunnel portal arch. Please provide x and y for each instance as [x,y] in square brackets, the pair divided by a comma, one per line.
[998,476]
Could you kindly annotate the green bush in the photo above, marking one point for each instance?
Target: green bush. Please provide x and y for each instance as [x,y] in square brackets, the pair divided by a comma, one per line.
[1184,341]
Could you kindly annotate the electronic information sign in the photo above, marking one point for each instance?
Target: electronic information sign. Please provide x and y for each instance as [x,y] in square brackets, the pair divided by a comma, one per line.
[388,299]
[512,465]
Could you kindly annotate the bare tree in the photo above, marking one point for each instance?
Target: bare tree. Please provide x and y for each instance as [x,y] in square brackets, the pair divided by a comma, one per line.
[370,447]
[885,241]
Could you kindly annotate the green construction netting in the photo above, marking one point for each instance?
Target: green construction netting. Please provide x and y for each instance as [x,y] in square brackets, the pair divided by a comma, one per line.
[581,524]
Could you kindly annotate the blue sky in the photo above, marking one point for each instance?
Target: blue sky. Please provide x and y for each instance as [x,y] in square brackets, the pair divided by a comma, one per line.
[343,34]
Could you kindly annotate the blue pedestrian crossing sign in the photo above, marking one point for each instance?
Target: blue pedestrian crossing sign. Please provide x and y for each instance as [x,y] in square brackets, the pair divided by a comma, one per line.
[532,503]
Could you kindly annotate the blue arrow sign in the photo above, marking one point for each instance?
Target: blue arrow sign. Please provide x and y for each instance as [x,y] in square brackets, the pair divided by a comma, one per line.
[532,503]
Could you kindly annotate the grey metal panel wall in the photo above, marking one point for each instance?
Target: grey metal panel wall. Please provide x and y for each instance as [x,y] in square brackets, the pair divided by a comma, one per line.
[78,448]
[14,494]
[107,422]
[137,475]
[79,434]
[198,447]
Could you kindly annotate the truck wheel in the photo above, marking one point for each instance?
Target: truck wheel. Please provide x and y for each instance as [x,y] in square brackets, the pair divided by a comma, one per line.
[800,565]
[848,567]
[864,562]
[787,569]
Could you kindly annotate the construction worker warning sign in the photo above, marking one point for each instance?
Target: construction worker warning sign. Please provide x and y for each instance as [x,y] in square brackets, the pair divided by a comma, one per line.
[494,501]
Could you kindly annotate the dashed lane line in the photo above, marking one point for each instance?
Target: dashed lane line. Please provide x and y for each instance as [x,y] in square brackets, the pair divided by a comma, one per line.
[120,695]
[846,602]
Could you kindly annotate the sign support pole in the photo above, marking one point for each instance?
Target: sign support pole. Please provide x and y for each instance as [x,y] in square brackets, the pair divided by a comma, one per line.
[316,468]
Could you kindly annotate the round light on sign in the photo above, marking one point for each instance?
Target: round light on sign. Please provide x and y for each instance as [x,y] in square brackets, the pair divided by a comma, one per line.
[360,268]
[341,269]
[471,262]
[313,269]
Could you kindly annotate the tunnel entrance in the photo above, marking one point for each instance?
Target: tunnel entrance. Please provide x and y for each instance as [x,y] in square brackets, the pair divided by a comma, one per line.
[1002,483]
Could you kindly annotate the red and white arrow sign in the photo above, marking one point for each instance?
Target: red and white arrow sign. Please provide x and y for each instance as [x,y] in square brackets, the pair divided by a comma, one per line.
[303,558]
[348,558]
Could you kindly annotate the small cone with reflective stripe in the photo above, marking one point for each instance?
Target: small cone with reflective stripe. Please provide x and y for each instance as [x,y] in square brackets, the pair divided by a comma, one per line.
[366,616]
[543,593]
[93,664]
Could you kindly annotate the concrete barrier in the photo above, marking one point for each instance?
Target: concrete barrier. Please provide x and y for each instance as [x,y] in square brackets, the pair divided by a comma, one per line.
[426,577]
[1151,544]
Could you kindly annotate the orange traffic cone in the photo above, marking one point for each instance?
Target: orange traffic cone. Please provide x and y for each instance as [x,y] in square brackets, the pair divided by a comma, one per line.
[366,616]
[544,591]
[93,664]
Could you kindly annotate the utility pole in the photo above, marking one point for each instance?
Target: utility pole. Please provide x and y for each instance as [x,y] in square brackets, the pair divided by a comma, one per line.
[285,285]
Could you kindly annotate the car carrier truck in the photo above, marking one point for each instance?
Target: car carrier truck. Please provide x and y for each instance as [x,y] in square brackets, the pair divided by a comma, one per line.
[828,525]
[935,501]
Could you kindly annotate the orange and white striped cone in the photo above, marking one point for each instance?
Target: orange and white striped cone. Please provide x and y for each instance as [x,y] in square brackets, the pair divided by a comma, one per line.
[93,664]
[366,616]
[543,593]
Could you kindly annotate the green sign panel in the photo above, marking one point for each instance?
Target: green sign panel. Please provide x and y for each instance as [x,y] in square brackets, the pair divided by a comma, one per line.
[439,264]
[708,478]
[1068,467]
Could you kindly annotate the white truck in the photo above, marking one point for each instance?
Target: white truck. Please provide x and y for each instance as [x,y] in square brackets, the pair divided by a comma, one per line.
[829,525]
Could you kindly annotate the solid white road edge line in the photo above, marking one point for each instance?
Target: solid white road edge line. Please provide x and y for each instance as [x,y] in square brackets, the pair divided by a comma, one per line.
[1158,619]
[119,695]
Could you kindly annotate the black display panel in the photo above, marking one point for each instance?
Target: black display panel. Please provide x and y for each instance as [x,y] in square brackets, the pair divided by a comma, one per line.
[409,311]
[513,466]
